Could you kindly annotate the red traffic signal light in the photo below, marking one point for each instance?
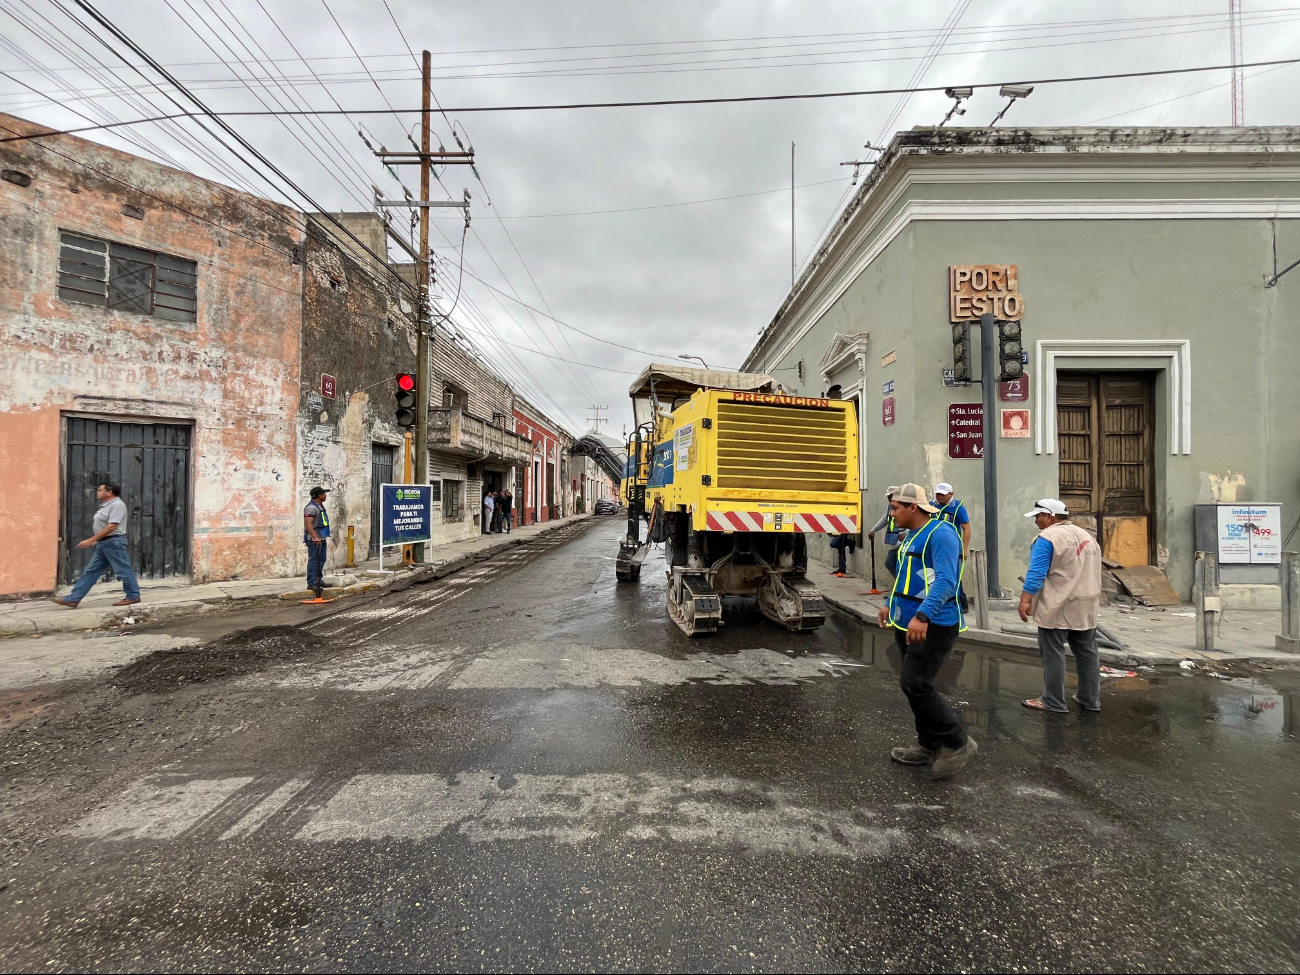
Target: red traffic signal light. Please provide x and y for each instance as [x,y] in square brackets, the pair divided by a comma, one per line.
[404,400]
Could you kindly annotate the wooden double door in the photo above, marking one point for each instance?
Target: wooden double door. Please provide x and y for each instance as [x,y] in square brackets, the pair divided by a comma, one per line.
[1106,447]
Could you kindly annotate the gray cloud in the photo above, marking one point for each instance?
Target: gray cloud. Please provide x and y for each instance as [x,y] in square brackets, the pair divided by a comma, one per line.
[697,279]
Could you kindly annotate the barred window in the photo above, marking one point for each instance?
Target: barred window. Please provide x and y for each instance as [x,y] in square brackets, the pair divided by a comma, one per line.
[435,491]
[453,500]
[98,272]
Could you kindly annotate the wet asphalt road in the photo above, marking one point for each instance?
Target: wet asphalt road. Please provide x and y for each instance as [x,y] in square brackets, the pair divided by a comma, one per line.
[527,767]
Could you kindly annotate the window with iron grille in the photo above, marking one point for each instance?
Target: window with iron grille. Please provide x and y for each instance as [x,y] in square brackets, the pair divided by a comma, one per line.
[98,272]
[452,500]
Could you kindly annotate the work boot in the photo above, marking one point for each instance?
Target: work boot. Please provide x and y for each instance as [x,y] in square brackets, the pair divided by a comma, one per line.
[126,602]
[913,754]
[953,760]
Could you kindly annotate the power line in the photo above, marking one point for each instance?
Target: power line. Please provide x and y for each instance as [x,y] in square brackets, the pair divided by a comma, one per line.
[804,39]
[667,102]
[982,34]
[665,206]
[140,52]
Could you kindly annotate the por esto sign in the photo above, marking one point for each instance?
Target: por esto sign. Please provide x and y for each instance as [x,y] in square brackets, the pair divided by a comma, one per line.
[984,289]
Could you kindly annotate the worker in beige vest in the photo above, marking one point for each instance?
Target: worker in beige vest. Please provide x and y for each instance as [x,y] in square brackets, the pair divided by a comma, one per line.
[1062,588]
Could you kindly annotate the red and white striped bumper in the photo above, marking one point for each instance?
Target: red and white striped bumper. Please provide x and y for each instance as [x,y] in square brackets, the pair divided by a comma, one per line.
[835,524]
[757,521]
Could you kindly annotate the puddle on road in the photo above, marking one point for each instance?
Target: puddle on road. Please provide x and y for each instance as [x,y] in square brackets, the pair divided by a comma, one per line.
[988,684]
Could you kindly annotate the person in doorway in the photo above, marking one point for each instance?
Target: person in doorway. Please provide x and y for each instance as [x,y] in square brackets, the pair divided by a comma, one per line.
[922,609]
[893,538]
[109,542]
[1062,590]
[496,512]
[954,512]
[507,509]
[842,544]
[316,533]
[488,506]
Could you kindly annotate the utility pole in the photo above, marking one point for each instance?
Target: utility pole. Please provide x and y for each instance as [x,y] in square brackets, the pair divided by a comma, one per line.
[597,419]
[793,259]
[1234,45]
[422,284]
[425,160]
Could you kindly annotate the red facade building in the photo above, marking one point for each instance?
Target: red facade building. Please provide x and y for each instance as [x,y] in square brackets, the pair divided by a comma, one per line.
[541,491]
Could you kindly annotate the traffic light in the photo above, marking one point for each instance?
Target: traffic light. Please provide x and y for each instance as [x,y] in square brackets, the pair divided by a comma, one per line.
[404,400]
[961,354]
[1009,358]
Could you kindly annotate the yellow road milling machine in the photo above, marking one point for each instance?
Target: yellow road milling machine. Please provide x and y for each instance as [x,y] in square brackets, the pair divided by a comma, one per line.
[732,475]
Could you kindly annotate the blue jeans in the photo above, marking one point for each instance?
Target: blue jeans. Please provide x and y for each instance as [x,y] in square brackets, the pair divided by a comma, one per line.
[110,552]
[316,563]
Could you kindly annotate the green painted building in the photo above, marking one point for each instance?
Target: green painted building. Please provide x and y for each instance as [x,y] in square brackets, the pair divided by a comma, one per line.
[1161,359]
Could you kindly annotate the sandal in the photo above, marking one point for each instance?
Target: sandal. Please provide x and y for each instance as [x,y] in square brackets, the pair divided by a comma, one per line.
[1075,699]
[1036,704]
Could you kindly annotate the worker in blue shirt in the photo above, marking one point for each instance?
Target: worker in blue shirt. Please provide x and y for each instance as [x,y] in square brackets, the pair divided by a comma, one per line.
[923,611]
[954,512]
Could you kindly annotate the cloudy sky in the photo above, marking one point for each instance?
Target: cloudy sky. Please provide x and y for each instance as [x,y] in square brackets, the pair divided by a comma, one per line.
[661,231]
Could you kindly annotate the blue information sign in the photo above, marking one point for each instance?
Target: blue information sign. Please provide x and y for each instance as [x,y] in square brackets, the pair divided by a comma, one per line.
[406,513]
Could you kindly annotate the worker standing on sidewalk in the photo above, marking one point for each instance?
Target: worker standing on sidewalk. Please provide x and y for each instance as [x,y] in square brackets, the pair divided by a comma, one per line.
[892,536]
[1062,590]
[316,532]
[923,611]
[954,512]
[109,540]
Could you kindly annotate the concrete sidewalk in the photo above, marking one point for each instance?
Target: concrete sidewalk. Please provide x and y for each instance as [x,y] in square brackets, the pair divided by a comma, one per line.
[1151,636]
[34,617]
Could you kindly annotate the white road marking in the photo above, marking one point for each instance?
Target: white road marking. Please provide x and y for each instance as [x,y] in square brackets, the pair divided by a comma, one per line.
[154,810]
[382,669]
[482,807]
[265,809]
[552,665]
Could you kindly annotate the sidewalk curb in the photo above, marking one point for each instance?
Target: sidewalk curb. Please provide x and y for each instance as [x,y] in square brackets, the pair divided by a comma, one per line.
[996,639]
[94,619]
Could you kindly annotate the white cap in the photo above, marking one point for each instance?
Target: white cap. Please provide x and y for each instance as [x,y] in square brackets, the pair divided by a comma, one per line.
[943,487]
[1048,506]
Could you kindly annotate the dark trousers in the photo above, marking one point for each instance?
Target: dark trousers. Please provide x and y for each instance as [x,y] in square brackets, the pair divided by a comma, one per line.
[842,564]
[937,724]
[1087,664]
[507,517]
[891,560]
[316,563]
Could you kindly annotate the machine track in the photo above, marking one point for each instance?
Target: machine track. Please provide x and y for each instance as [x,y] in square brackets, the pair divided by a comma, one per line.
[792,601]
[627,567]
[699,610]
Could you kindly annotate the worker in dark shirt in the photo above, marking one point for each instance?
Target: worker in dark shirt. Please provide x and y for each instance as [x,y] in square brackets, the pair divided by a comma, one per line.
[316,532]
[922,610]
[507,505]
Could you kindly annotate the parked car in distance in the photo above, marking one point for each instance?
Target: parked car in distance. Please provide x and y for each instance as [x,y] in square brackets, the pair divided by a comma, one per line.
[604,506]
